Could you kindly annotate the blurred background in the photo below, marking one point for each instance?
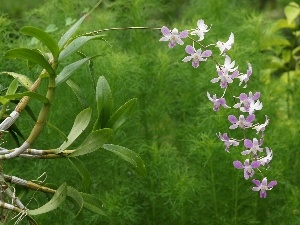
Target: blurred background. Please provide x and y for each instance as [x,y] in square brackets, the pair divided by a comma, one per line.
[190,178]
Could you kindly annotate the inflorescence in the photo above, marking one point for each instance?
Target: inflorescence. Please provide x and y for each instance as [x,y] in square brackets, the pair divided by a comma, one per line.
[246,104]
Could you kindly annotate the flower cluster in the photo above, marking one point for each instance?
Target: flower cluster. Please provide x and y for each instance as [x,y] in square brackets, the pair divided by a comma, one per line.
[246,104]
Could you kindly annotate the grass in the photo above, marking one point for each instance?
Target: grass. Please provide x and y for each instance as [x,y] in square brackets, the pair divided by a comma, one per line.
[190,178]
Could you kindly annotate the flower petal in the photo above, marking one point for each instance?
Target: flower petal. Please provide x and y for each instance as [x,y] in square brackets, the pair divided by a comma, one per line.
[256,182]
[165,31]
[183,34]
[232,119]
[237,164]
[190,49]
[272,184]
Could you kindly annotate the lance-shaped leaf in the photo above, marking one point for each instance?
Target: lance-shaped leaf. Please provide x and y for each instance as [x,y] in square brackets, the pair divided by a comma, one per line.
[83,172]
[93,204]
[27,93]
[81,122]
[91,69]
[44,37]
[12,87]
[62,134]
[32,56]
[56,201]
[66,73]
[24,80]
[119,117]
[78,92]
[75,45]
[94,141]
[104,103]
[75,197]
[75,26]
[129,156]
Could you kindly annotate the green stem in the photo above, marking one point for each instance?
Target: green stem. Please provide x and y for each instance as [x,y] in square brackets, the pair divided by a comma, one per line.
[44,113]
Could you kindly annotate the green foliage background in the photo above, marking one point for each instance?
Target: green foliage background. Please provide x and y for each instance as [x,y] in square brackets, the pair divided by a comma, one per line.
[190,177]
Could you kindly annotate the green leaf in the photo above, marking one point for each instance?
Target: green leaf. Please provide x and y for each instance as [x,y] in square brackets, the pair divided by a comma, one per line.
[83,172]
[292,11]
[93,204]
[65,38]
[75,45]
[76,197]
[27,93]
[24,80]
[32,56]
[91,69]
[58,130]
[56,201]
[81,122]
[44,37]
[129,156]
[12,87]
[66,73]
[14,128]
[94,141]
[295,51]
[283,24]
[104,103]
[120,116]
[78,92]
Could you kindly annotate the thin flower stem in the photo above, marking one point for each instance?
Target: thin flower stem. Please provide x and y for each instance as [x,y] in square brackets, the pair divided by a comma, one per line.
[119,28]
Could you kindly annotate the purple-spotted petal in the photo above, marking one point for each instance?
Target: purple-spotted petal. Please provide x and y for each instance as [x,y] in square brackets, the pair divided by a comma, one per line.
[237,164]
[189,49]
[248,143]
[232,119]
[256,182]
[165,31]
[243,97]
[183,34]
[207,53]
[255,164]
[250,118]
[272,184]
[195,63]
[264,182]
[263,194]
[256,96]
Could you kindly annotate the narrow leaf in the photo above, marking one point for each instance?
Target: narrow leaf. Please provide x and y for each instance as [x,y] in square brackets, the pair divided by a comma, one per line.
[91,69]
[76,197]
[12,87]
[93,204]
[81,122]
[78,92]
[119,117]
[104,103]
[44,37]
[66,73]
[58,130]
[24,80]
[75,26]
[32,56]
[56,201]
[83,172]
[75,45]
[129,156]
[27,93]
[94,141]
